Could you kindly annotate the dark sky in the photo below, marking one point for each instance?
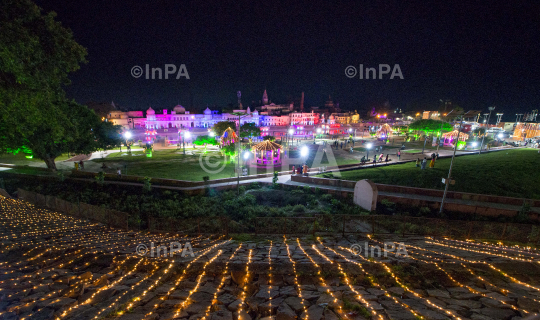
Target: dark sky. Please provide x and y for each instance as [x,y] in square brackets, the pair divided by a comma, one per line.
[476,53]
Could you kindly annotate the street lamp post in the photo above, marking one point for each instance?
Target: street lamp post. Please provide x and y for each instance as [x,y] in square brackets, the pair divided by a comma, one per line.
[304,151]
[127,136]
[238,146]
[368,146]
[447,181]
[485,132]
[187,135]
[291,133]
[442,122]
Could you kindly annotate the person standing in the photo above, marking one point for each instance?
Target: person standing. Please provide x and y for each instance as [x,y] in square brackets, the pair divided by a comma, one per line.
[432,162]
[424,162]
[76,166]
[380,157]
[119,173]
[81,164]
[387,157]
[293,169]
[399,155]
[374,160]
[417,162]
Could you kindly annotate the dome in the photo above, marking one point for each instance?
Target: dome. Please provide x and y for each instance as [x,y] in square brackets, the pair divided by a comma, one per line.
[150,111]
[179,109]
[331,117]
[267,145]
[207,111]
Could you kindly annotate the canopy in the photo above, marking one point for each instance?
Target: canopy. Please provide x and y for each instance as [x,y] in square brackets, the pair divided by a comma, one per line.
[453,134]
[267,145]
[229,136]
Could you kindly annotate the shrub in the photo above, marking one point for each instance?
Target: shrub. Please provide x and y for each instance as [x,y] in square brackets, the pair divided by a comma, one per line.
[147,186]
[326,197]
[255,185]
[299,208]
[100,178]
[275,178]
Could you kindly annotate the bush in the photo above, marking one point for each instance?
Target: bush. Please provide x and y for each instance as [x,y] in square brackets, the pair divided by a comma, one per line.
[255,185]
[326,197]
[299,208]
[100,178]
[147,186]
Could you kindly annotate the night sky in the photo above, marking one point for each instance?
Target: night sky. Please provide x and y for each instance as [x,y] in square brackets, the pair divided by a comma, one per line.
[475,53]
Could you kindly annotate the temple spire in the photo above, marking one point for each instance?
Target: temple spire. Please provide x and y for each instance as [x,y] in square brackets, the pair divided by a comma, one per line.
[265,98]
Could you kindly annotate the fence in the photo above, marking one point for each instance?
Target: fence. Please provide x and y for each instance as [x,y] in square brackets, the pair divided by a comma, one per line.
[112,218]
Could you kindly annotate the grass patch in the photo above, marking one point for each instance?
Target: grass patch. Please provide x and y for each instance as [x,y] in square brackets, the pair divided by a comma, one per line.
[509,173]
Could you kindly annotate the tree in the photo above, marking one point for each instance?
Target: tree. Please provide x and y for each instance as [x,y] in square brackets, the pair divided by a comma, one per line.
[249,129]
[75,129]
[221,126]
[204,140]
[429,125]
[36,57]
[271,138]
[479,131]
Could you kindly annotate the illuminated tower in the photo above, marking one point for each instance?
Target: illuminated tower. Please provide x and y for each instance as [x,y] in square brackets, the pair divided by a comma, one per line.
[265,98]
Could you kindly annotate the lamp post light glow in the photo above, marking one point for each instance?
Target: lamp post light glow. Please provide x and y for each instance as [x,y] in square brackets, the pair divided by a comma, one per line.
[246,155]
[500,135]
[368,146]
[304,152]
[291,133]
[474,144]
[212,134]
[127,135]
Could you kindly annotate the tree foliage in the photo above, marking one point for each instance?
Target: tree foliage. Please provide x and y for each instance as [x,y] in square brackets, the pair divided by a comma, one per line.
[249,130]
[271,138]
[429,125]
[204,140]
[221,126]
[36,57]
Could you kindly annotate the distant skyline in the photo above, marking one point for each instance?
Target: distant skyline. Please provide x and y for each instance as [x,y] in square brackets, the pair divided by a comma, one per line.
[475,54]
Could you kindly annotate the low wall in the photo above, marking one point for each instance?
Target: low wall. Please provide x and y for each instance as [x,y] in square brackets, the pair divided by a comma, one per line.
[168,182]
[472,209]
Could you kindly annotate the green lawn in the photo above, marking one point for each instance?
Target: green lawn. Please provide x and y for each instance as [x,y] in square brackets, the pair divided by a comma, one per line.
[173,164]
[512,173]
[21,160]
[169,164]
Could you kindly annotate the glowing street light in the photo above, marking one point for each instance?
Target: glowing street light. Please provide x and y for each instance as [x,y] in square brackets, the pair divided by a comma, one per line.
[368,146]
[212,134]
[304,151]
[187,135]
[291,133]
[246,155]
[127,135]
[474,144]
[500,135]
